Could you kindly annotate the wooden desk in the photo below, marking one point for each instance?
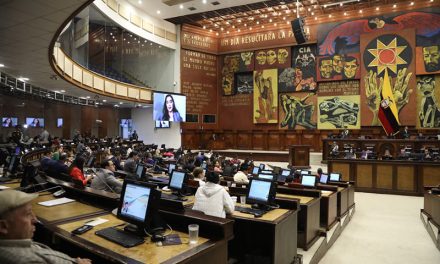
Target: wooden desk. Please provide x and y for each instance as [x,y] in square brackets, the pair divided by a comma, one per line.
[308,220]
[147,252]
[13,184]
[431,220]
[328,212]
[271,238]
[62,212]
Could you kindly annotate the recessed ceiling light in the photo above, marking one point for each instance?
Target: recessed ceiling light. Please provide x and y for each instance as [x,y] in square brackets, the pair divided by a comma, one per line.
[345,13]
[394,6]
[139,2]
[62,91]
[120,102]
[262,26]
[412,3]
[204,27]
[216,33]
[88,97]
[181,6]
[360,11]
[158,12]
[204,1]
[377,8]
[330,15]
[238,30]
[23,79]
[2,65]
[316,18]
[104,100]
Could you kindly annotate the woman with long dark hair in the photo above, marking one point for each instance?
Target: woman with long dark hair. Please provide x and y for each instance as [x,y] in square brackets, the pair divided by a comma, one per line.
[76,170]
[169,110]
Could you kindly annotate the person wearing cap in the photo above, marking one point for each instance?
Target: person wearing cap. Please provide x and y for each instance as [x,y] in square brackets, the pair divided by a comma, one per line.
[17,227]
[212,198]
[241,175]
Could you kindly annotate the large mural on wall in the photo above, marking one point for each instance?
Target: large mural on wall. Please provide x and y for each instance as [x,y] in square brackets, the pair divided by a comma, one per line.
[247,60]
[338,67]
[297,110]
[265,96]
[272,58]
[428,101]
[230,66]
[344,37]
[428,59]
[392,52]
[339,112]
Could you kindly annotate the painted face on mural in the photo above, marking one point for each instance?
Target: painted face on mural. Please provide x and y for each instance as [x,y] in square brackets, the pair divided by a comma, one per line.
[282,56]
[431,57]
[271,57]
[326,68]
[338,63]
[261,57]
[247,57]
[350,67]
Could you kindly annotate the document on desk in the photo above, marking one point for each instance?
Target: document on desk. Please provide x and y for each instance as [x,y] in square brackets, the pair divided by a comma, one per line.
[56,202]
[95,222]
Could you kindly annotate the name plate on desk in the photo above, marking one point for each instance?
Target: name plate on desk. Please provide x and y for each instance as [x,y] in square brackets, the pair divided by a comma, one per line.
[56,202]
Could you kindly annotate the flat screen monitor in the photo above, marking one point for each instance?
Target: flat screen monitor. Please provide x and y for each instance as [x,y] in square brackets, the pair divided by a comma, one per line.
[285,173]
[323,179]
[162,124]
[261,192]
[334,176]
[267,171]
[34,122]
[171,167]
[169,107]
[59,122]
[304,172]
[262,166]
[308,180]
[140,171]
[177,180]
[255,170]
[139,202]
[269,177]
[126,123]
[9,121]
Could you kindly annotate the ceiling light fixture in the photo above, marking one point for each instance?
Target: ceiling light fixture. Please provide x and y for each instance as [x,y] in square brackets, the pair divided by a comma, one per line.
[23,79]
[140,2]
[377,8]
[394,6]
[204,1]
[181,6]
[158,12]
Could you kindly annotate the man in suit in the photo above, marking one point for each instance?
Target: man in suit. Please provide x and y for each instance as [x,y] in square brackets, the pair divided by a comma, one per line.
[105,179]
[130,163]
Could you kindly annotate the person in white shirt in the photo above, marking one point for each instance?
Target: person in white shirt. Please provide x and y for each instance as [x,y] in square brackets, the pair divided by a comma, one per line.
[241,175]
[199,175]
[212,199]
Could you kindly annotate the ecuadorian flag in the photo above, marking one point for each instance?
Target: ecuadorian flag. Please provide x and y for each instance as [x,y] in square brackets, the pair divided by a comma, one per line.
[388,114]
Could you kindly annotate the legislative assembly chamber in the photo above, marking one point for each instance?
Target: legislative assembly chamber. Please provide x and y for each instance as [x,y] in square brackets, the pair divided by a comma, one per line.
[220,131]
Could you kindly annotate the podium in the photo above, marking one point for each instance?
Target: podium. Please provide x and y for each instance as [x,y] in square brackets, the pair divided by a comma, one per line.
[299,155]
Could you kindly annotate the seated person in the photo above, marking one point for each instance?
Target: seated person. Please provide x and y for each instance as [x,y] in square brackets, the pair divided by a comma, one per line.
[241,175]
[57,152]
[420,136]
[405,133]
[334,150]
[212,198]
[218,167]
[130,163]
[56,167]
[365,153]
[76,170]
[105,179]
[403,155]
[319,172]
[199,175]
[387,154]
[427,154]
[345,133]
[350,154]
[17,226]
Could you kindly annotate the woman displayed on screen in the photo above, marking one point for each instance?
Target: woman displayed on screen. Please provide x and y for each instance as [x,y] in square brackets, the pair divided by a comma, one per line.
[169,111]
[7,122]
[35,123]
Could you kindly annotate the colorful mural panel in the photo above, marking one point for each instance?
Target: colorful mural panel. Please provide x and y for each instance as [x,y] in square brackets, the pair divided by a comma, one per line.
[272,58]
[428,104]
[297,110]
[244,83]
[338,67]
[339,112]
[428,59]
[265,96]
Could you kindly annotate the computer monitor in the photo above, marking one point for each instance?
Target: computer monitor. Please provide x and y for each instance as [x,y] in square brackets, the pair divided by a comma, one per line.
[266,176]
[255,170]
[308,180]
[138,205]
[204,165]
[267,171]
[304,172]
[285,172]
[335,177]
[324,178]
[171,167]
[140,171]
[261,166]
[178,180]
[261,192]
[9,121]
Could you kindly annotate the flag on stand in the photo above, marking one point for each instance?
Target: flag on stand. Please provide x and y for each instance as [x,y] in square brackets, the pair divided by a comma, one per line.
[388,114]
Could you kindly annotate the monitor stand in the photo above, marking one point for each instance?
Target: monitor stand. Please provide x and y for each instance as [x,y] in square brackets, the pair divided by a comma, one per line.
[180,196]
[261,207]
[135,229]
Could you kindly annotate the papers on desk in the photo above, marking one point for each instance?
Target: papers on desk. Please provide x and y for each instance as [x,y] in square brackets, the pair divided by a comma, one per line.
[4,187]
[56,202]
[95,222]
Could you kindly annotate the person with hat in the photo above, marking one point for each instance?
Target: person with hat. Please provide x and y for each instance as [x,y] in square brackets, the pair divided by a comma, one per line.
[212,198]
[17,227]
[241,175]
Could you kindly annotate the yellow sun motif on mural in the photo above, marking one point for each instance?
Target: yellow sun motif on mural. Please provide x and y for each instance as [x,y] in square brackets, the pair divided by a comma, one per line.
[387,56]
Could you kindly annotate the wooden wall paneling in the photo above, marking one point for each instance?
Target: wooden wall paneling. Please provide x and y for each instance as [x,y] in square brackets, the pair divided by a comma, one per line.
[309,138]
[384,176]
[190,140]
[430,176]
[291,138]
[244,140]
[364,175]
[342,168]
[229,140]
[274,140]
[258,140]
[405,178]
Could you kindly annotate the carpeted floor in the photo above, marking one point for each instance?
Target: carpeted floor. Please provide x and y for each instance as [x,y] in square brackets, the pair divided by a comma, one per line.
[385,229]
